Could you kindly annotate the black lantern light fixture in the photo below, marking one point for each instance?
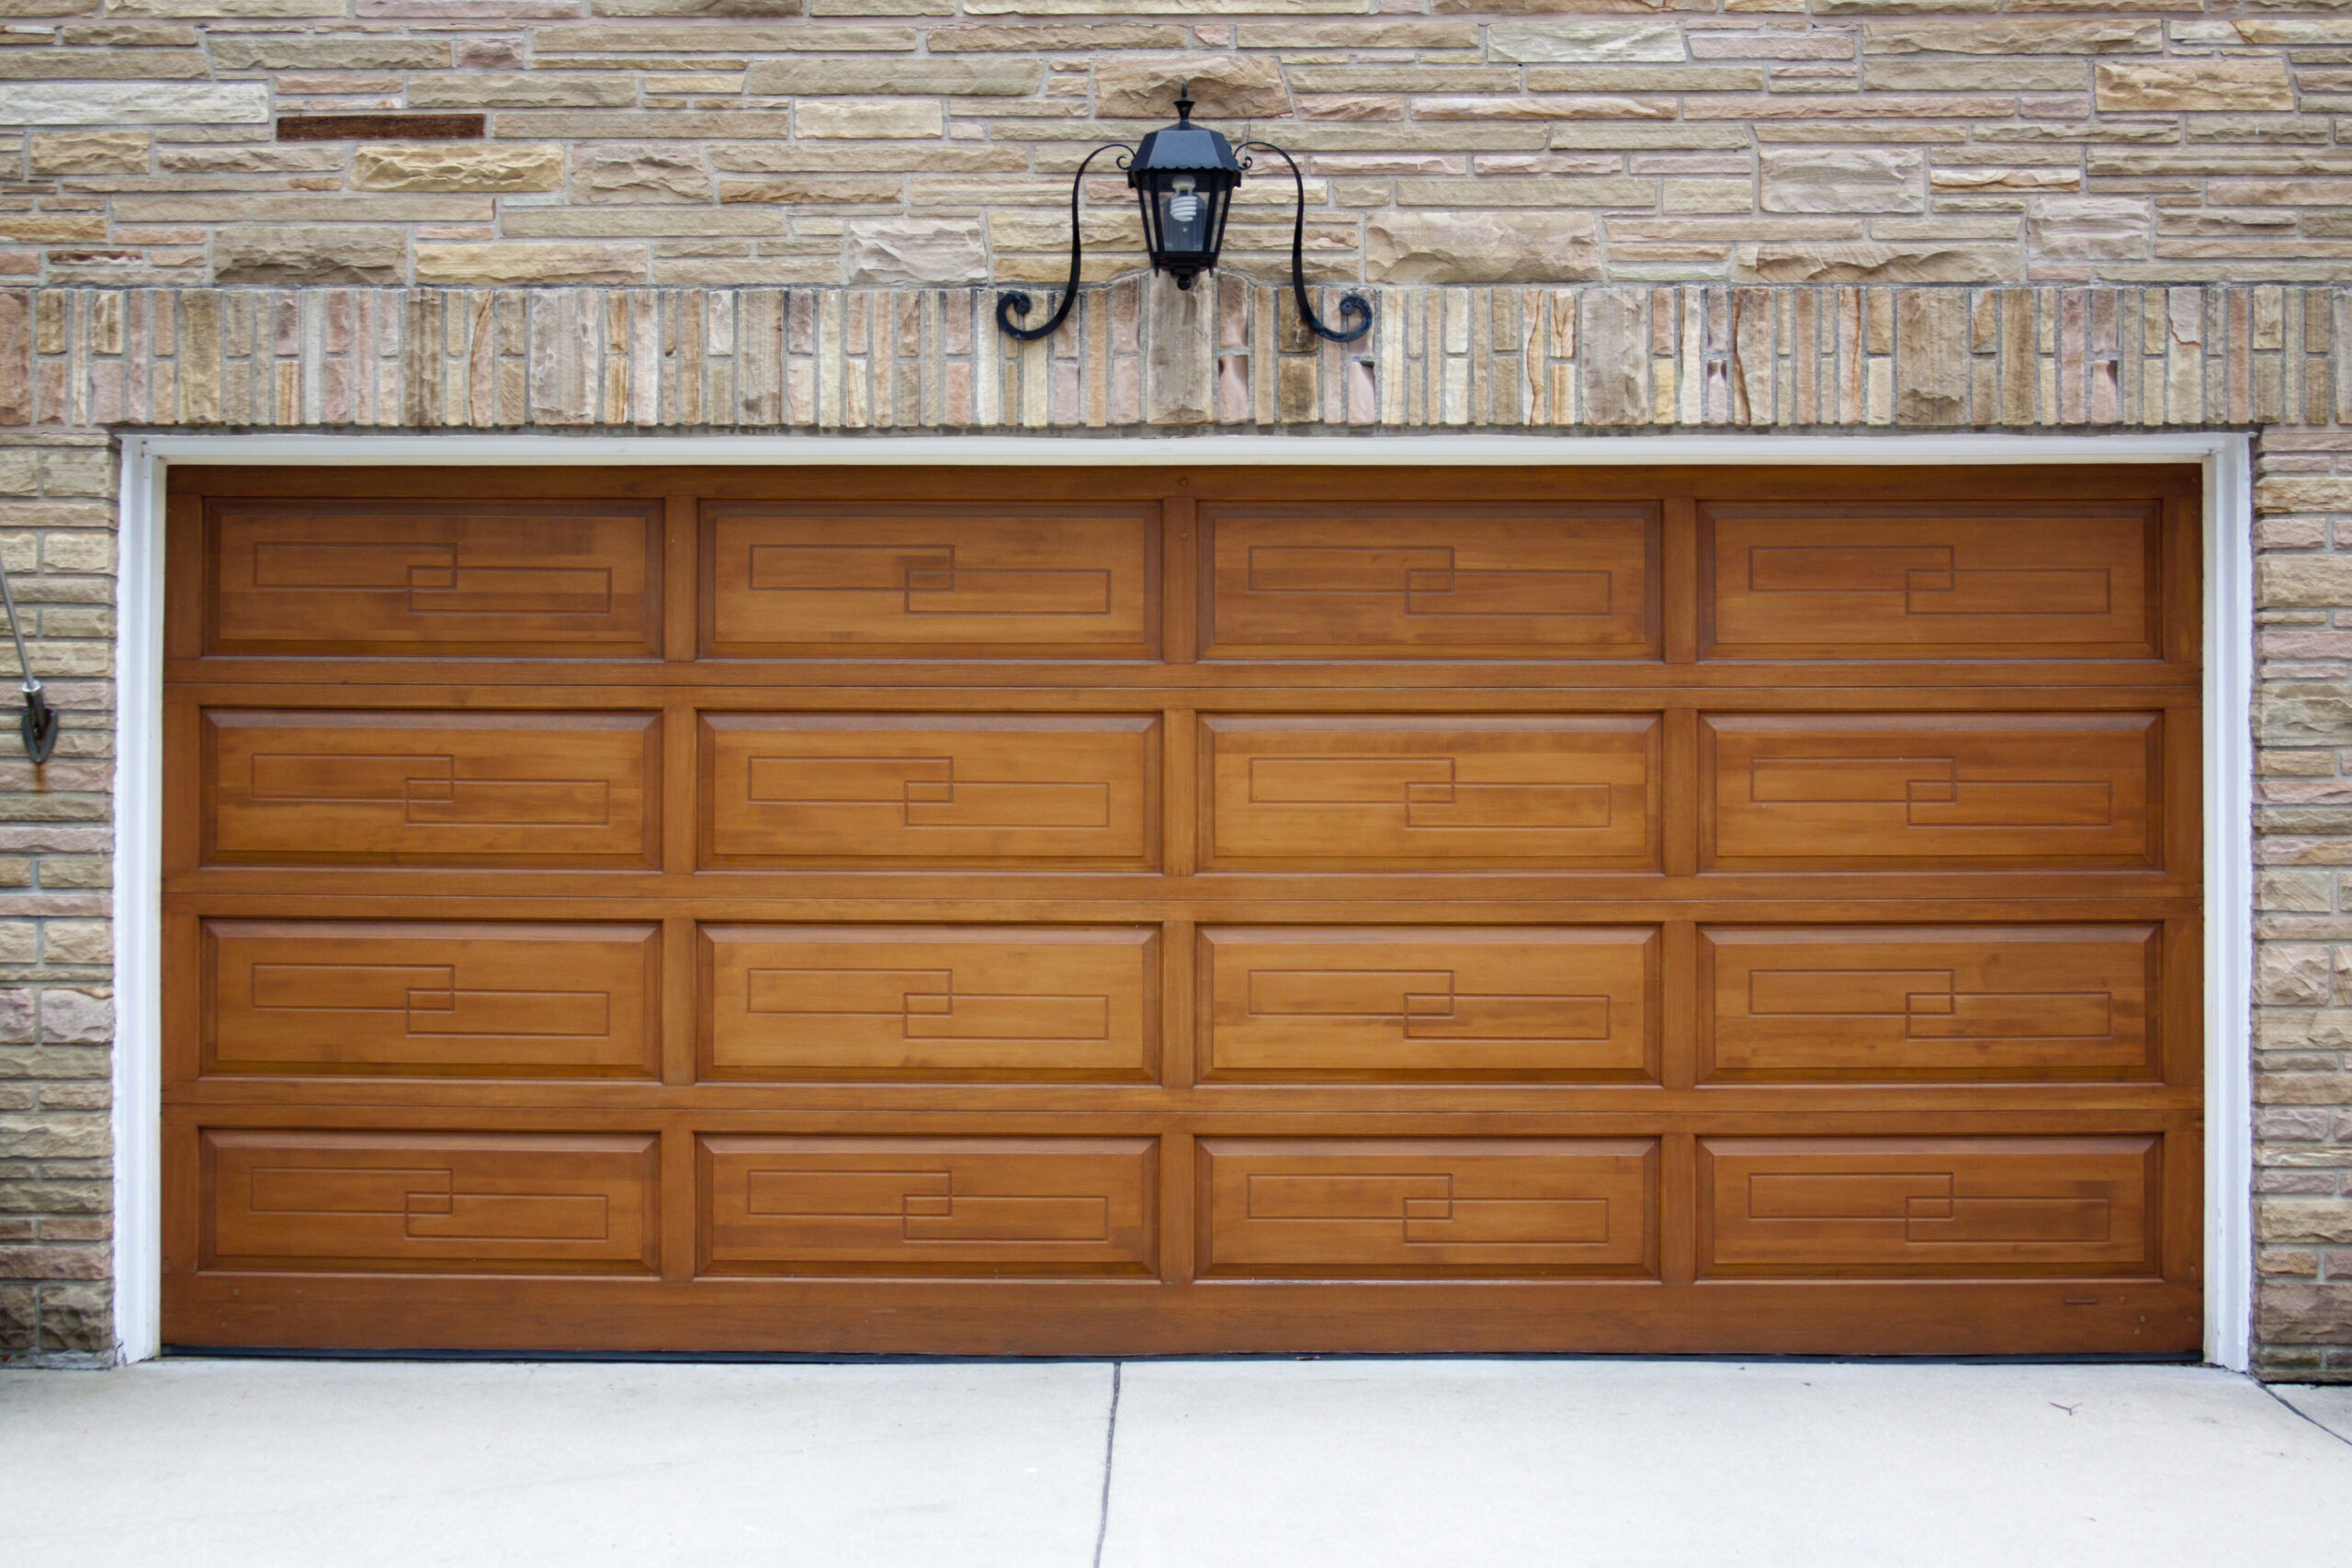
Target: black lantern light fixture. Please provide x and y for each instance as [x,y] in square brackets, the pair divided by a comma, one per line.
[37,726]
[1185,177]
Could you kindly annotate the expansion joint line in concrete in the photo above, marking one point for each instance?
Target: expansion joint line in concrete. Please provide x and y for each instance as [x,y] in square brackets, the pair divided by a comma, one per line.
[2258,1383]
[1110,1448]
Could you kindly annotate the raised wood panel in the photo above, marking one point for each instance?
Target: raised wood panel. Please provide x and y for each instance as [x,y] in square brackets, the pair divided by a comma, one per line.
[391,577]
[913,1205]
[1389,1208]
[1934,581]
[930,1003]
[430,999]
[1893,790]
[1332,791]
[1854,1208]
[1922,1004]
[357,787]
[1385,1004]
[429,1203]
[1012,790]
[966,581]
[1430,582]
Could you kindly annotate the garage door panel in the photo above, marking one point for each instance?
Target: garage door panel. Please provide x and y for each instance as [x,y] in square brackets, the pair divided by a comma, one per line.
[1025,790]
[1423,582]
[1929,1207]
[930,1004]
[1947,583]
[1401,1208]
[1861,1004]
[1934,789]
[918,1205]
[1325,1004]
[431,788]
[943,582]
[429,1203]
[432,999]
[1318,791]
[493,578]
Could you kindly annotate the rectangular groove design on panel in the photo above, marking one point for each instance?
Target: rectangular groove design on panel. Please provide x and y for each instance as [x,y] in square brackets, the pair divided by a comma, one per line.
[892,1205]
[949,1003]
[425,577]
[1402,1208]
[2022,1002]
[1430,582]
[429,1203]
[1897,582]
[794,789]
[1928,1207]
[1330,792]
[1428,1005]
[431,788]
[1891,790]
[819,581]
[418,998]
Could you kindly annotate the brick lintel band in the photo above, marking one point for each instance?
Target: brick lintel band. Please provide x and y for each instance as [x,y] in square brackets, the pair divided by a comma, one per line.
[1138,353]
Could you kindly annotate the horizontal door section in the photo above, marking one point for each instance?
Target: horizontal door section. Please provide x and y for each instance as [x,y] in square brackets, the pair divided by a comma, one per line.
[1376,1005]
[1008,790]
[784,580]
[1894,580]
[1401,1208]
[354,787]
[915,1205]
[1334,792]
[429,1203]
[1928,1208]
[930,1003]
[430,999]
[508,578]
[1945,790]
[1452,581]
[1929,1004]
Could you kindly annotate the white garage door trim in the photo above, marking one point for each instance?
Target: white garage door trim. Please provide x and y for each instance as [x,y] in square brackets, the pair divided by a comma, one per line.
[2229,747]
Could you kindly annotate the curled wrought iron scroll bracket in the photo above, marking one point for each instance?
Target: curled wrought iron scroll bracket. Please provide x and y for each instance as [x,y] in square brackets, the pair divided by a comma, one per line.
[1015,302]
[1352,306]
[39,723]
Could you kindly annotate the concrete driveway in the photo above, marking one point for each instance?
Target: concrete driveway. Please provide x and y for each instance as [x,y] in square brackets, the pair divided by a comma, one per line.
[1190,1463]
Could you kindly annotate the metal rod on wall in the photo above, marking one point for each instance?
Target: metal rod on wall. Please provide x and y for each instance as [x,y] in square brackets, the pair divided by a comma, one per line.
[39,725]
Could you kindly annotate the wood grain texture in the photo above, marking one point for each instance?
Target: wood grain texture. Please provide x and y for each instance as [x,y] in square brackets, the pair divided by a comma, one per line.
[989,912]
[957,581]
[1432,583]
[389,578]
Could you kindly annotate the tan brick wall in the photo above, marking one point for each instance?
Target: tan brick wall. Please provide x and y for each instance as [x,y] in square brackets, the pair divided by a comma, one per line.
[56,540]
[737,142]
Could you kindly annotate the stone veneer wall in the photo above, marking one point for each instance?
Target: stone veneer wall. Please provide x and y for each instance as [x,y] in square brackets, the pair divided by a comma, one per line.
[2302,1024]
[739,143]
[57,520]
[77,362]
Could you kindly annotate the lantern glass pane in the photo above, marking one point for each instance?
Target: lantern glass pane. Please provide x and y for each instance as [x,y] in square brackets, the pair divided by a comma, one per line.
[1184,217]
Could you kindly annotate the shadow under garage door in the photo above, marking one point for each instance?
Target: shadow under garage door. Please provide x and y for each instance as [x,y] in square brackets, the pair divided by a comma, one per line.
[1092,912]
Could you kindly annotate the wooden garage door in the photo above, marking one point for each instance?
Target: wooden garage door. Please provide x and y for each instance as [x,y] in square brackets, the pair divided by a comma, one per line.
[1124,911]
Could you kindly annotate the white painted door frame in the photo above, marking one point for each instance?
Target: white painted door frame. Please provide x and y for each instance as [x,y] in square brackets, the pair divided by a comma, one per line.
[2228,740]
